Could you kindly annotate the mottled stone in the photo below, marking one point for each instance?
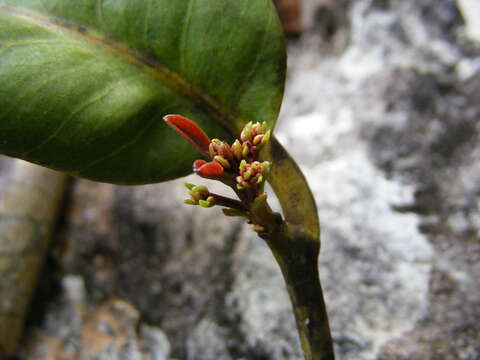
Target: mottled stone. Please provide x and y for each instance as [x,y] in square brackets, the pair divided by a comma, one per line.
[470,10]
[208,341]
[74,330]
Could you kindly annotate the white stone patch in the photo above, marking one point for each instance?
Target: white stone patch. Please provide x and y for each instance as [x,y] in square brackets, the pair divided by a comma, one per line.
[155,342]
[260,297]
[208,341]
[470,10]
[467,68]
[375,263]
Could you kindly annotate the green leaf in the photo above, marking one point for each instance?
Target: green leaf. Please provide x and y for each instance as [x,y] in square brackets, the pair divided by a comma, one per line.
[84,84]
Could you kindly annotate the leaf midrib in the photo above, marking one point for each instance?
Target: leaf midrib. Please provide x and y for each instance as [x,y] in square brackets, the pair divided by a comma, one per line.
[220,113]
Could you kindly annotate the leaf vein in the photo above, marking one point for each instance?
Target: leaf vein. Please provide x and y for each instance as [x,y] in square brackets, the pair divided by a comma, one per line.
[107,91]
[37,42]
[42,85]
[254,66]
[120,148]
[184,36]
[146,25]
[101,18]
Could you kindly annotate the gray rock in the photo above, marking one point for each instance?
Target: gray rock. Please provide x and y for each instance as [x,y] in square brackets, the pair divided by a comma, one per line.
[208,341]
[395,119]
[472,23]
[155,342]
[72,329]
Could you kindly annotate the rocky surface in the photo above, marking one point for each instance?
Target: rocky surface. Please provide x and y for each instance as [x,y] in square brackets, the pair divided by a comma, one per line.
[381,112]
[31,200]
[110,330]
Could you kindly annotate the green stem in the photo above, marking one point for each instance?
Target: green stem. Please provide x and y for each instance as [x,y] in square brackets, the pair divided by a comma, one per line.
[297,257]
[295,243]
[291,188]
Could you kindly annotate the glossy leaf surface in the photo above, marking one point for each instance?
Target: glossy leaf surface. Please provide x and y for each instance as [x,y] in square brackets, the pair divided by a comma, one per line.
[84,84]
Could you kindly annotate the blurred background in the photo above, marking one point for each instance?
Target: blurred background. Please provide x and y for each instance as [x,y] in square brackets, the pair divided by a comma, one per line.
[381,112]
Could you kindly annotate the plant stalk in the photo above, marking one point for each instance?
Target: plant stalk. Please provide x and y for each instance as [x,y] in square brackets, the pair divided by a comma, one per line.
[297,257]
[295,244]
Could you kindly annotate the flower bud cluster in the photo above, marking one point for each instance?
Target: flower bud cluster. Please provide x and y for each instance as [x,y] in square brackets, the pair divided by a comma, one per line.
[252,138]
[255,134]
[238,159]
[236,165]
[199,195]
[252,174]
[222,153]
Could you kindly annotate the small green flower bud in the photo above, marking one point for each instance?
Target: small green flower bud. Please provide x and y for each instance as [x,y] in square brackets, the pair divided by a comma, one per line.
[264,127]
[195,195]
[260,179]
[243,164]
[212,149]
[266,138]
[245,150]
[189,186]
[216,141]
[241,183]
[265,167]
[189,202]
[246,132]
[205,203]
[257,139]
[237,149]
[198,193]
[224,162]
[200,189]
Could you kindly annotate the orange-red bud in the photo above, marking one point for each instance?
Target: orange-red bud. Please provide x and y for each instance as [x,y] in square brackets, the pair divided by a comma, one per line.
[190,131]
[197,164]
[208,170]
